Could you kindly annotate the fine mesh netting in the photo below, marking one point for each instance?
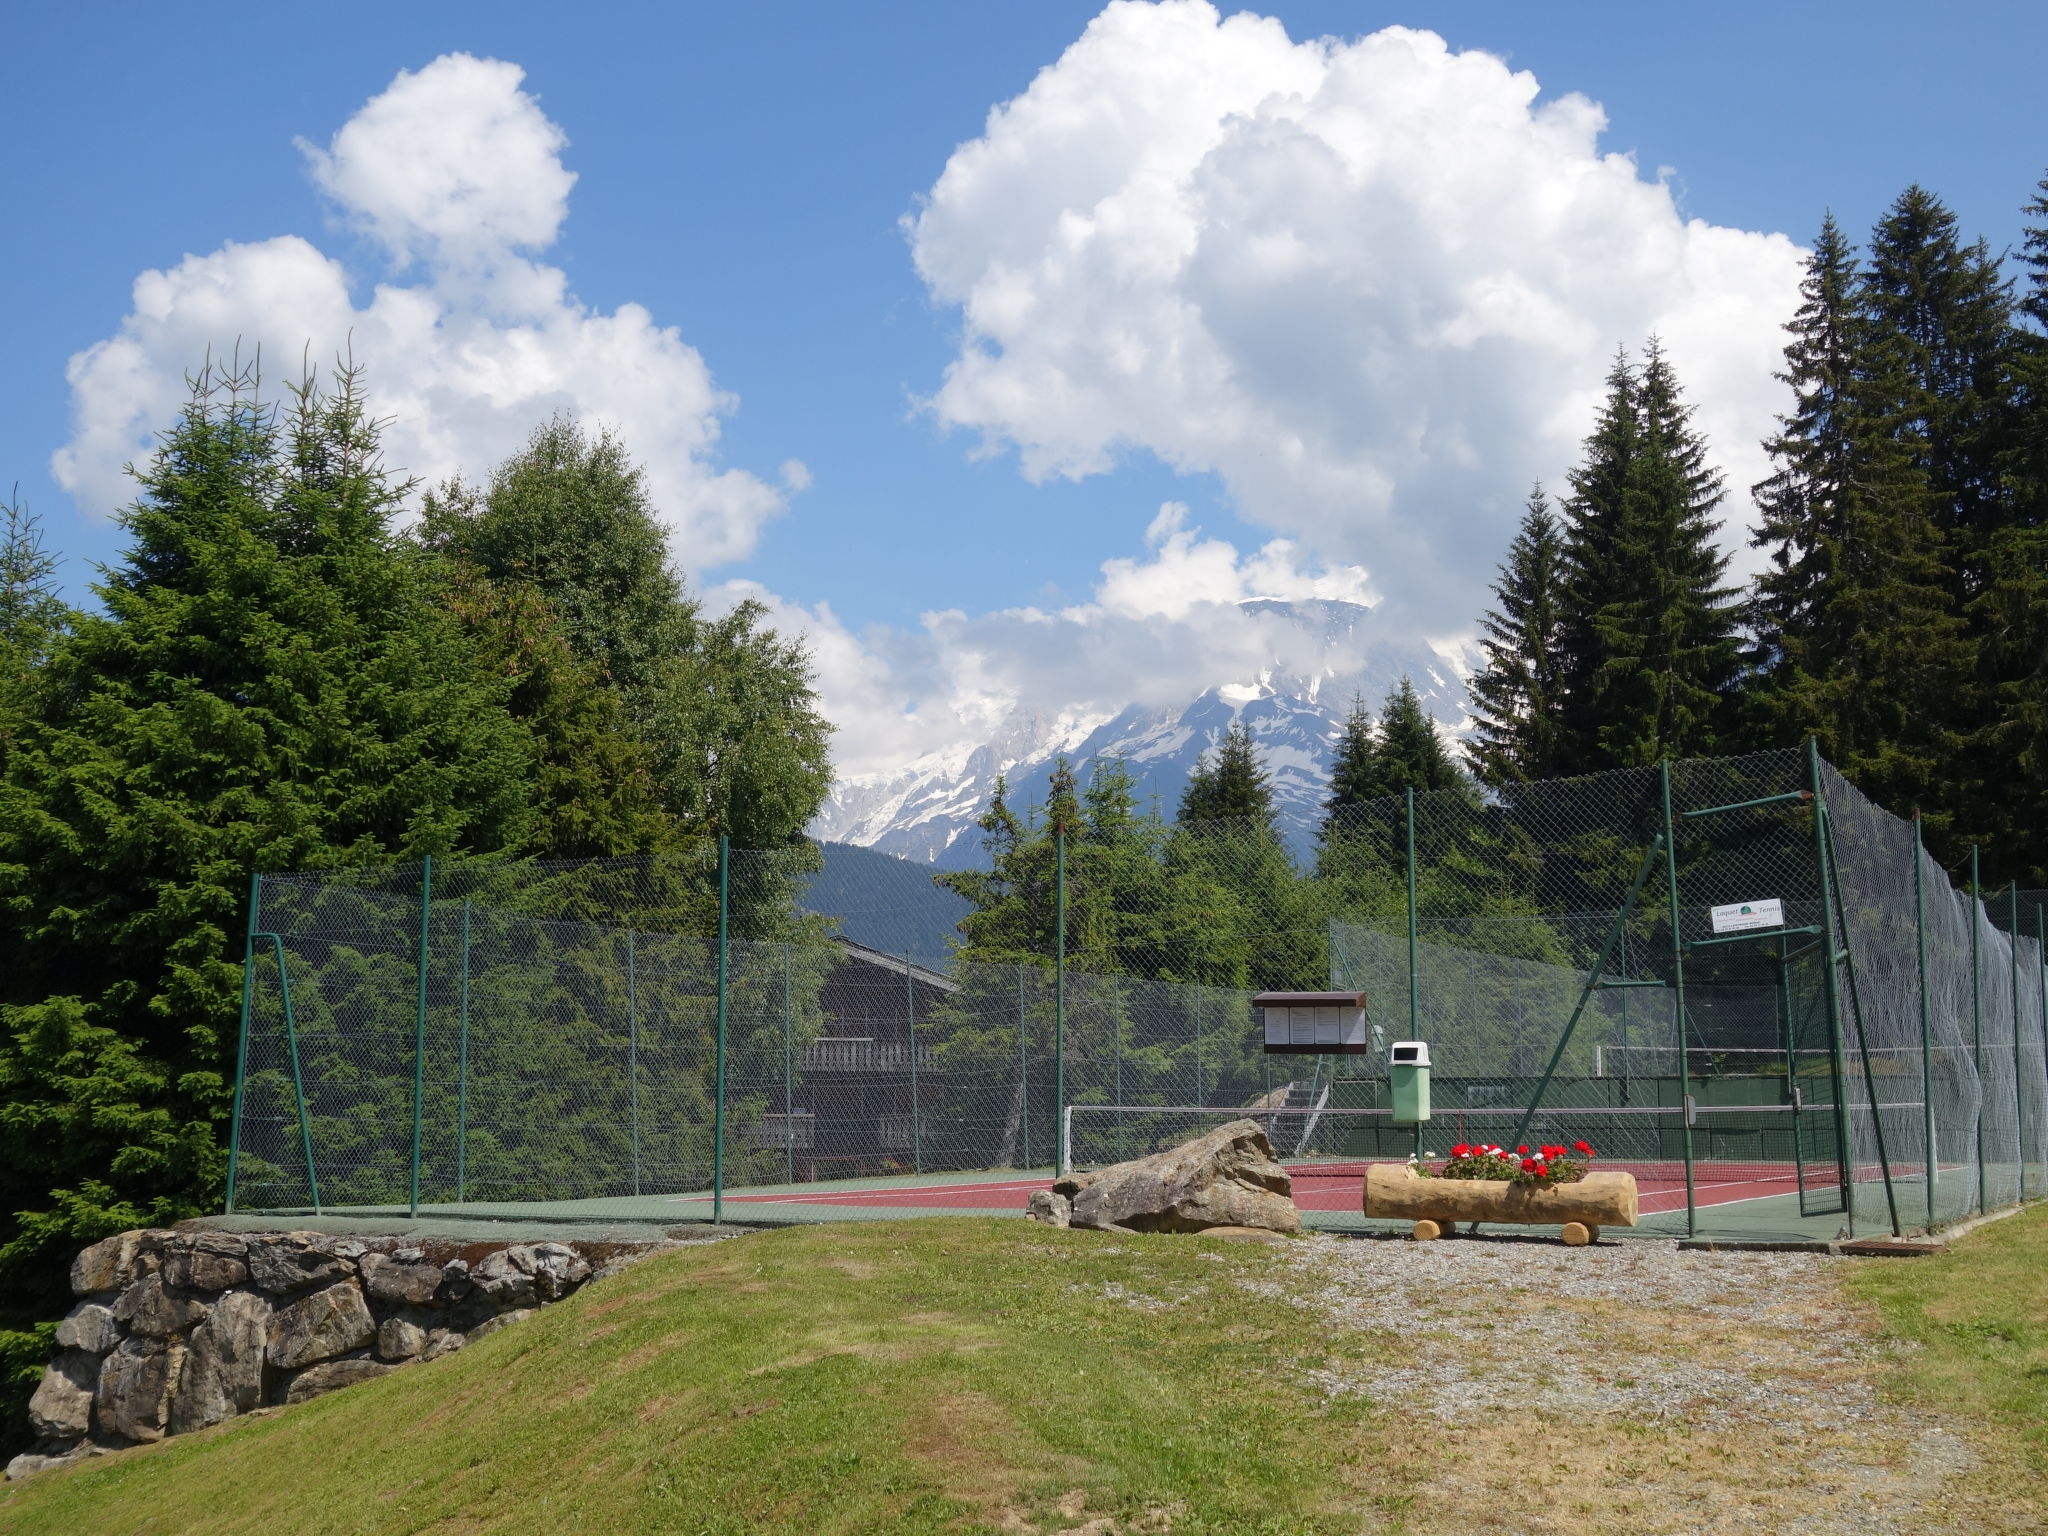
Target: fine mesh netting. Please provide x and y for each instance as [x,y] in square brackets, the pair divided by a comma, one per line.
[1778,1011]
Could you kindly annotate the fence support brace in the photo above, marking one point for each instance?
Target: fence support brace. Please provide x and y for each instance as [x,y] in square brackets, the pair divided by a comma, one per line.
[242,1045]
[419,1039]
[718,1084]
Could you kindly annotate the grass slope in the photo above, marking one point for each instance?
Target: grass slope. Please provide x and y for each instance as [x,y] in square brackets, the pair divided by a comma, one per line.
[901,1377]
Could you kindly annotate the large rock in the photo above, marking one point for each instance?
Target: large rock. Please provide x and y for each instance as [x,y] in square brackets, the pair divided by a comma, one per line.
[1227,1177]
[206,1261]
[530,1273]
[107,1266]
[317,1379]
[406,1285]
[292,1262]
[62,1405]
[153,1308]
[400,1339]
[332,1321]
[223,1373]
[90,1327]
[135,1386]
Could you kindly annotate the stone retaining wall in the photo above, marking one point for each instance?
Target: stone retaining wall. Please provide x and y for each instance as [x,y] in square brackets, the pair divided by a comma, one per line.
[176,1330]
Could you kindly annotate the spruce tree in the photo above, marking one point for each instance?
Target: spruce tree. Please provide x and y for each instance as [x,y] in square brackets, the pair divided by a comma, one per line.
[1518,694]
[273,684]
[1857,641]
[724,707]
[1944,306]
[1410,753]
[1650,629]
[1232,786]
[1355,777]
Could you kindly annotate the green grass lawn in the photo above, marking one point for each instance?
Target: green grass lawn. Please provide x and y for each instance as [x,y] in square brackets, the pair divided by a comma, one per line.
[900,1377]
[1979,1318]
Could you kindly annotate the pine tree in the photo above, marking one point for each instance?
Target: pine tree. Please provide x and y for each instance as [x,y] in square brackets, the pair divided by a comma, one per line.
[1649,628]
[1410,754]
[724,707]
[1517,695]
[1857,642]
[1232,786]
[1949,313]
[273,684]
[1355,769]
[32,617]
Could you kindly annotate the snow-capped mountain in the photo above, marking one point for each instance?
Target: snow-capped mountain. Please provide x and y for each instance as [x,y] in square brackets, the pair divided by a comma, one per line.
[925,811]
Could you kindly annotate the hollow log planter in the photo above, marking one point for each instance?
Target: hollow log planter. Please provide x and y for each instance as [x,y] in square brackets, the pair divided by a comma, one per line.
[1582,1208]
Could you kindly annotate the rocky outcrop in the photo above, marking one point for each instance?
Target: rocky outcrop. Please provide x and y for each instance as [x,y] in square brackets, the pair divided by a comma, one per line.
[177,1330]
[1227,1177]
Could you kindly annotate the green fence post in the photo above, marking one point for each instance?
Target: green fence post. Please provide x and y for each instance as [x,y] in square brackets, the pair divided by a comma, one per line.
[462,1074]
[1929,1150]
[2041,967]
[1831,871]
[291,1037]
[2019,1100]
[419,1042]
[788,1073]
[1831,987]
[1059,1000]
[1023,1071]
[910,1014]
[1692,1213]
[1977,1025]
[718,1071]
[633,1047]
[242,1045]
[1414,994]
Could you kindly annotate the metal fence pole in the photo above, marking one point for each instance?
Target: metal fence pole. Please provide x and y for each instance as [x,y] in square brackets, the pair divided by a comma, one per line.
[1831,988]
[419,1045]
[291,1038]
[2041,967]
[242,1040]
[1831,872]
[910,1014]
[788,1073]
[633,1047]
[462,1073]
[1929,1151]
[2019,1102]
[1023,1070]
[1692,1213]
[1059,987]
[1414,993]
[1977,1025]
[718,1071]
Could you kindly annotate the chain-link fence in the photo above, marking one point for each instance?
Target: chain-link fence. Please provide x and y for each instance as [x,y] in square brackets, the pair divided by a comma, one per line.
[1736,978]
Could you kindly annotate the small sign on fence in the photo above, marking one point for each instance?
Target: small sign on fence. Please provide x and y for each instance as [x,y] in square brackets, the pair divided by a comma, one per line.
[1741,916]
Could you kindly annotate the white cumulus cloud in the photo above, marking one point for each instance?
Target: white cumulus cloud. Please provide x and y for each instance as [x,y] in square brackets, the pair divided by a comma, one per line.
[1372,285]
[1157,630]
[457,173]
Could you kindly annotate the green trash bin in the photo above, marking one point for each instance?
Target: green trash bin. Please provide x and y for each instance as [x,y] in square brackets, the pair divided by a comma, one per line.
[1408,1077]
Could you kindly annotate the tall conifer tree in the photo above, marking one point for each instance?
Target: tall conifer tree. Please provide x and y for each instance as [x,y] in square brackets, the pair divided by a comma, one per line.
[1518,694]
[1858,643]
[1649,627]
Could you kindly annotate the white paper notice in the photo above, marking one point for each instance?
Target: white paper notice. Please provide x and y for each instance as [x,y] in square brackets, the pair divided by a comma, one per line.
[1741,916]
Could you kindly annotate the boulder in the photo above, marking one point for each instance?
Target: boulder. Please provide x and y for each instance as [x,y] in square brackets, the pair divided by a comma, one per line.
[333,1374]
[223,1373]
[90,1327]
[332,1321]
[1050,1207]
[62,1405]
[292,1262]
[527,1274]
[443,1341]
[135,1387]
[502,1320]
[386,1279]
[150,1307]
[1227,1177]
[109,1265]
[49,1454]
[398,1339]
[206,1261]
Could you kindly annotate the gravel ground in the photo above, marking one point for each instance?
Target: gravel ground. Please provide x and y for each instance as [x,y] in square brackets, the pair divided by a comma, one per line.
[1684,1391]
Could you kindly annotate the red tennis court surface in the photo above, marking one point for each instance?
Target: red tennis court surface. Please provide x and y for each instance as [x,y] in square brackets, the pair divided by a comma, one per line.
[1317,1187]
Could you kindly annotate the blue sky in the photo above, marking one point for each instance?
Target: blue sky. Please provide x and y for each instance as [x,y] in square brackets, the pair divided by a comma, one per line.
[743,171]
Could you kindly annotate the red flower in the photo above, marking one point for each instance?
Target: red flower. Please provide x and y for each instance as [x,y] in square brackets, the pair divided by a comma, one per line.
[1523,1150]
[1460,1150]
[1580,1146]
[1542,1173]
[1528,1163]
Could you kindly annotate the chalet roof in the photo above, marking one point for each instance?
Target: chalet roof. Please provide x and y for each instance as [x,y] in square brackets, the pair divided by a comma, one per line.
[900,964]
